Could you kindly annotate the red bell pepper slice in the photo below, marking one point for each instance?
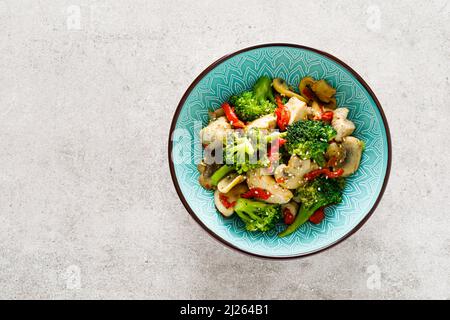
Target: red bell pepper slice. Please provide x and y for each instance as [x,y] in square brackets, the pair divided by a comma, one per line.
[317,216]
[283,114]
[327,116]
[325,171]
[257,193]
[231,116]
[227,204]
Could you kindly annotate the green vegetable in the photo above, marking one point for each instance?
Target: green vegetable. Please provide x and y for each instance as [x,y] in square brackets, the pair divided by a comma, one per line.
[309,140]
[251,105]
[313,195]
[220,173]
[257,216]
[247,151]
[263,89]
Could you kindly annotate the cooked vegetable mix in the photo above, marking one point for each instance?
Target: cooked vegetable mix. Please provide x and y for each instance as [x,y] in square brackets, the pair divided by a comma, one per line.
[275,156]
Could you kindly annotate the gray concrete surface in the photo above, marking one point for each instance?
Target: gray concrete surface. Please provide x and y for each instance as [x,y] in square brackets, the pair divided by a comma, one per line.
[87,93]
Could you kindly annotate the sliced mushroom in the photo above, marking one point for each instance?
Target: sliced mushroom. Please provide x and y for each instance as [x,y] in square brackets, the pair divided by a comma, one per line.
[323,90]
[341,124]
[230,197]
[282,88]
[353,150]
[268,121]
[298,110]
[206,171]
[291,176]
[215,130]
[257,179]
[335,152]
[213,115]
[230,181]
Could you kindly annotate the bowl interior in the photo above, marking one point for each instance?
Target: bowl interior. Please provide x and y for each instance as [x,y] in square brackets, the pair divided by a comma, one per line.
[239,72]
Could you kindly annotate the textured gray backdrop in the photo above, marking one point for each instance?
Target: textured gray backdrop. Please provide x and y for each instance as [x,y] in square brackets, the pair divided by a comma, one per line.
[87,93]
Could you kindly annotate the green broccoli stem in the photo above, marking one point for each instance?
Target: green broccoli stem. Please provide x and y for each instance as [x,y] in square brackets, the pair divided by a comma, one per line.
[220,173]
[302,216]
[243,216]
[263,89]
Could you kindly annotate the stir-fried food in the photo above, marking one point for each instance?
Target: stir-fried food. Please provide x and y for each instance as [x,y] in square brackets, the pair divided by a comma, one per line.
[276,156]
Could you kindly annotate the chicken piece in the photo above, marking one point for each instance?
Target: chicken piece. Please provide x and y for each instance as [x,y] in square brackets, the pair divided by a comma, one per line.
[341,124]
[257,179]
[291,176]
[268,121]
[298,110]
[215,130]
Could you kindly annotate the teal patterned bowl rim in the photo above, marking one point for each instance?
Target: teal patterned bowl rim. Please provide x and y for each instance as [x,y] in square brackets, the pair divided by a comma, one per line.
[305,48]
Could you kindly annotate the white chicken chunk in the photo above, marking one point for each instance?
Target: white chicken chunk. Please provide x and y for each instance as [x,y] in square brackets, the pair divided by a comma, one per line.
[341,124]
[298,110]
[265,122]
[216,130]
[257,179]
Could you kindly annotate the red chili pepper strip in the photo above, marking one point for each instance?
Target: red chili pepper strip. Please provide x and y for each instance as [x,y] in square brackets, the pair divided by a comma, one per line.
[283,114]
[288,217]
[231,116]
[257,193]
[224,199]
[317,216]
[330,174]
[327,116]
[332,162]
[280,180]
[335,174]
[313,174]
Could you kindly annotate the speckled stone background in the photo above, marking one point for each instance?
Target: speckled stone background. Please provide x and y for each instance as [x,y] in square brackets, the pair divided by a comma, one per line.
[87,93]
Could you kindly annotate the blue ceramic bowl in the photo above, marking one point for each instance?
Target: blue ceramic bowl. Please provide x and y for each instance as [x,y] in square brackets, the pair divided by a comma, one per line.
[239,71]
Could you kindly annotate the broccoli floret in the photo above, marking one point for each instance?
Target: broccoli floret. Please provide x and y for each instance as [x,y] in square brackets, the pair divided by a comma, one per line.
[247,151]
[313,195]
[251,105]
[309,139]
[257,216]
